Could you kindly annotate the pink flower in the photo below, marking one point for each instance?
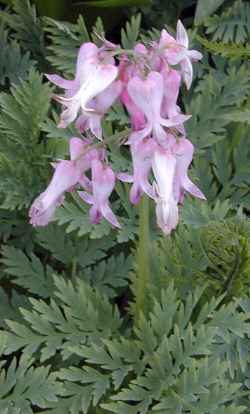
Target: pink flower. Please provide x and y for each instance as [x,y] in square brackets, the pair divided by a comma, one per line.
[142,153]
[172,83]
[170,170]
[103,182]
[183,151]
[83,154]
[93,76]
[164,165]
[176,51]
[148,96]
[100,104]
[137,118]
[65,176]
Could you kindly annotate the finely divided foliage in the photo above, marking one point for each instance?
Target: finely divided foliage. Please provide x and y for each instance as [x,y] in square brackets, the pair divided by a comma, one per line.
[68,340]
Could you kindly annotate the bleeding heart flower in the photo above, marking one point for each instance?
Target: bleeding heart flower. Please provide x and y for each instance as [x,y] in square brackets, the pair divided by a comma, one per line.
[93,76]
[176,51]
[148,97]
[142,153]
[103,182]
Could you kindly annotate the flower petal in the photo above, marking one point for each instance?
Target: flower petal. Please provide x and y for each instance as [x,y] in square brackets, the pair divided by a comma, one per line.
[181,35]
[76,147]
[109,215]
[126,178]
[148,94]
[61,82]
[167,215]
[191,188]
[88,198]
[194,55]
[187,71]
[100,77]
[87,52]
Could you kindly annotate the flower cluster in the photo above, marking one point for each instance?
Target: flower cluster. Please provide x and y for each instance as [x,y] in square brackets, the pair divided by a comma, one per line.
[147,81]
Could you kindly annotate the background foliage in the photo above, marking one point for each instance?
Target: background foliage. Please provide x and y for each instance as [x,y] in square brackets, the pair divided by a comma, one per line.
[68,342]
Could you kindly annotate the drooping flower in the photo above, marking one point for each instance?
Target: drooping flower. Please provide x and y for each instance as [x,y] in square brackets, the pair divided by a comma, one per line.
[93,75]
[183,151]
[148,96]
[65,176]
[172,83]
[176,51]
[103,182]
[137,118]
[99,106]
[83,153]
[142,153]
[164,165]
[148,87]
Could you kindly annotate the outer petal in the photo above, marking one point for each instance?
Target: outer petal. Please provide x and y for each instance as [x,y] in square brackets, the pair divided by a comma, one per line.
[103,179]
[181,35]
[164,165]
[61,82]
[141,49]
[82,123]
[76,147]
[136,115]
[191,188]
[96,126]
[138,136]
[95,214]
[126,178]
[194,55]
[89,199]
[187,71]
[85,182]
[148,94]
[172,83]
[166,39]
[159,134]
[167,215]
[39,216]
[99,79]
[88,51]
[176,120]
[69,114]
[106,98]
[65,176]
[184,153]
[135,193]
[102,103]
[109,215]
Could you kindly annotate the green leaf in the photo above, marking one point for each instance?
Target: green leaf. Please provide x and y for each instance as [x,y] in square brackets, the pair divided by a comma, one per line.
[197,214]
[116,3]
[130,35]
[232,25]
[27,26]
[28,272]
[78,314]
[205,8]
[65,40]
[23,167]
[238,116]
[22,386]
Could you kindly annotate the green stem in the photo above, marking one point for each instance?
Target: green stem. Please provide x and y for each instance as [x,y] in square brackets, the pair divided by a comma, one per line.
[143,261]
[73,269]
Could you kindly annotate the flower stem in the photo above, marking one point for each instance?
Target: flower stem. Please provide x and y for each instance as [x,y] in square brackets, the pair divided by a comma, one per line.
[143,261]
